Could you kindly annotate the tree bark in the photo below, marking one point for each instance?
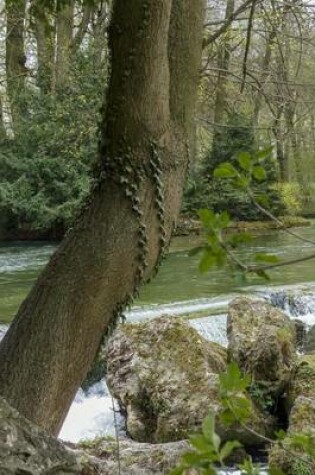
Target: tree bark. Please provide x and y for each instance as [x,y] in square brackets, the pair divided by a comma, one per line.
[224,54]
[122,233]
[64,31]
[16,70]
[44,29]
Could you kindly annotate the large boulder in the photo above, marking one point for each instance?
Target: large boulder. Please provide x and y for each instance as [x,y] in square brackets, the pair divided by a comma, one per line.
[27,450]
[165,377]
[309,341]
[285,456]
[105,457]
[303,380]
[262,342]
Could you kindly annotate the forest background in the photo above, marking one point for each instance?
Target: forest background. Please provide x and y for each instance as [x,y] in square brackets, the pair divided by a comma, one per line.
[256,91]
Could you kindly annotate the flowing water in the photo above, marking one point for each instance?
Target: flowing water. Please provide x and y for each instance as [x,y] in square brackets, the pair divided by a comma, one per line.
[179,289]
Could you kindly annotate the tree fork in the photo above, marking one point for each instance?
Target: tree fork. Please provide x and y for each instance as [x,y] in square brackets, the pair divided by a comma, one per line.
[46,353]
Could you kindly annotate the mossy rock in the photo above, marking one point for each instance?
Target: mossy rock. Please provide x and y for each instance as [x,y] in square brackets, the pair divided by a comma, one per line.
[294,461]
[303,380]
[165,376]
[262,341]
[26,449]
[101,457]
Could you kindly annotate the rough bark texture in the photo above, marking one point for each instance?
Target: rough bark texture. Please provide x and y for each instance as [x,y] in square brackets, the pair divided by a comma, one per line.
[122,233]
[44,30]
[15,56]
[64,31]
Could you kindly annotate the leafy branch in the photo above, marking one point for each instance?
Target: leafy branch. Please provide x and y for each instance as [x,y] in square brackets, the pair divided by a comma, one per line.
[219,248]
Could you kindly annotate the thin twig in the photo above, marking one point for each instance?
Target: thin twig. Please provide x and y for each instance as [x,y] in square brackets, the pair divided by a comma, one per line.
[116,435]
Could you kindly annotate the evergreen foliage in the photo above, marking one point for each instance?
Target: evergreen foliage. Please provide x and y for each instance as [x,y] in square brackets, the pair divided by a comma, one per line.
[206,191]
[45,167]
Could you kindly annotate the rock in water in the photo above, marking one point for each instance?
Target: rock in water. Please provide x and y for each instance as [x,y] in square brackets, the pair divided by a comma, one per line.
[262,342]
[285,456]
[165,377]
[27,450]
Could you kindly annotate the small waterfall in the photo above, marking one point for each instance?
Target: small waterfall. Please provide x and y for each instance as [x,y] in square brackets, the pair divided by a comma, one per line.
[95,412]
[296,303]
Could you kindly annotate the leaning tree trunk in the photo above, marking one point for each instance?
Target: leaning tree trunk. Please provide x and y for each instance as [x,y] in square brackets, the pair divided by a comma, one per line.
[122,233]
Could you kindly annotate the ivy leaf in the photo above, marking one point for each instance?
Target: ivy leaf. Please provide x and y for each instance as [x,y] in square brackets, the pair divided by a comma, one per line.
[259,173]
[245,160]
[225,170]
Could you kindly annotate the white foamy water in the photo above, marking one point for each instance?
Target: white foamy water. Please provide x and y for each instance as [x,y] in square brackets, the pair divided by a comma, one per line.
[213,305]
[91,415]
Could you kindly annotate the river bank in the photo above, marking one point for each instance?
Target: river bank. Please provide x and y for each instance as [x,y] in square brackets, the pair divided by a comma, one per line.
[186,225]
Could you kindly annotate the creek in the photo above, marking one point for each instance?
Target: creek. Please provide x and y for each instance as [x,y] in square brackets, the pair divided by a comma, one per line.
[179,289]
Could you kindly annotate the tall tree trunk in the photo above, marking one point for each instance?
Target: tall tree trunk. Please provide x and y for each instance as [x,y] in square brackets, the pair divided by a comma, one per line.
[265,72]
[44,30]
[120,236]
[64,31]
[3,133]
[224,54]
[15,57]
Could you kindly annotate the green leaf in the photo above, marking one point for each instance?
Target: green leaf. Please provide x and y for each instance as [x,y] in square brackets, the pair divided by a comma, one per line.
[201,443]
[263,200]
[239,238]
[193,459]
[225,170]
[223,219]
[263,154]
[228,448]
[280,434]
[245,160]
[270,258]
[208,426]
[263,274]
[216,442]
[233,380]
[249,468]
[207,217]
[178,470]
[208,260]
[242,182]
[259,173]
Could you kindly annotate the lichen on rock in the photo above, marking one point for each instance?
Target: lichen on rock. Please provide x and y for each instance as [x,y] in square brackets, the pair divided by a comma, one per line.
[26,449]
